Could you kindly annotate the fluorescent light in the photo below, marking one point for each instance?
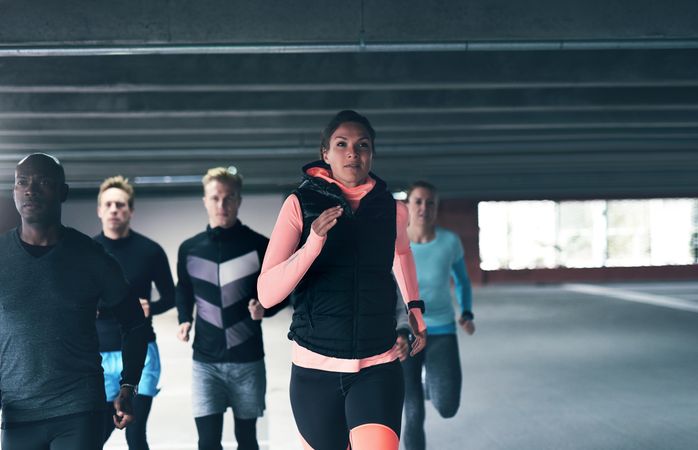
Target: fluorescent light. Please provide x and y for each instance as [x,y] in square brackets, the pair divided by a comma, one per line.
[169,179]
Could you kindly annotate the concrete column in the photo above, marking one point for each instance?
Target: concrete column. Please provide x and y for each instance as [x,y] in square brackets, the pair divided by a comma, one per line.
[9,218]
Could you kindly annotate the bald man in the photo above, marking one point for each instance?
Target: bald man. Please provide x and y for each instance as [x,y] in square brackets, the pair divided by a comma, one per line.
[53,279]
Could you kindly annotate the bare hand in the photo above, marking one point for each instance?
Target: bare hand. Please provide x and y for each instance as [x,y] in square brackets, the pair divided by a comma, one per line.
[123,405]
[467,325]
[183,332]
[326,220]
[256,309]
[420,337]
[402,347]
[145,304]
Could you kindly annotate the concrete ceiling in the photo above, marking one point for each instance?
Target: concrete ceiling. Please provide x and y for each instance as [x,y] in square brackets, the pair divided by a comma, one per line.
[489,100]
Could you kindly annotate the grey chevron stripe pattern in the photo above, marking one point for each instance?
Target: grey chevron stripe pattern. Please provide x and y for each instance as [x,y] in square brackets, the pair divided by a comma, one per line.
[239,267]
[235,282]
[203,269]
[239,333]
[209,312]
[237,290]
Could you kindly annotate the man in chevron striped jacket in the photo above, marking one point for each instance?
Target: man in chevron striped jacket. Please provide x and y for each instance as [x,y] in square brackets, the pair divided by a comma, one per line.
[217,271]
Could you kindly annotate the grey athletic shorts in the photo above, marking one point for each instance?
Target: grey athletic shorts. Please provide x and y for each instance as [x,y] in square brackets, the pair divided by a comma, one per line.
[217,386]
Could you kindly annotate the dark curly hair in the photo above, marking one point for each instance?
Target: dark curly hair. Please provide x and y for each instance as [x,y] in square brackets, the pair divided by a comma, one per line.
[343,117]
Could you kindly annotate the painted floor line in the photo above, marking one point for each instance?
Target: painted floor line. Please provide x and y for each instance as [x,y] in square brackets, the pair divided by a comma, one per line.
[632,296]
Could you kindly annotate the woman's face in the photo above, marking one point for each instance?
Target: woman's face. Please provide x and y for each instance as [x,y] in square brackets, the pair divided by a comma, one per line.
[350,154]
[422,205]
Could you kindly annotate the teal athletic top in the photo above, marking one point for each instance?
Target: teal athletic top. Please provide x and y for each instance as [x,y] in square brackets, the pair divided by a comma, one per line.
[437,261]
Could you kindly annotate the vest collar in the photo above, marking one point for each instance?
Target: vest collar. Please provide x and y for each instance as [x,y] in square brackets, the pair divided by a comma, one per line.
[332,189]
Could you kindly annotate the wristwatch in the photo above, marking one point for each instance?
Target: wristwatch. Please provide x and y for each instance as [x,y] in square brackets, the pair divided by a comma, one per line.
[134,388]
[419,304]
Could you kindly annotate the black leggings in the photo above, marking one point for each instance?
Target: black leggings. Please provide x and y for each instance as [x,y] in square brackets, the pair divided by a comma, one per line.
[210,430]
[443,384]
[328,405]
[135,431]
[74,432]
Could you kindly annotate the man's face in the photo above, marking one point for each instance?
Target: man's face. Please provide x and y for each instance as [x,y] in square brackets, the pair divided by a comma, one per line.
[114,211]
[39,191]
[222,203]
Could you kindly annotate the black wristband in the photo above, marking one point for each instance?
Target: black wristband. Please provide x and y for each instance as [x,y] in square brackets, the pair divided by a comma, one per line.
[467,315]
[133,387]
[415,304]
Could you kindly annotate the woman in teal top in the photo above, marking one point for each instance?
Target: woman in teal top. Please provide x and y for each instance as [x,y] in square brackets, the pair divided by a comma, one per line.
[438,254]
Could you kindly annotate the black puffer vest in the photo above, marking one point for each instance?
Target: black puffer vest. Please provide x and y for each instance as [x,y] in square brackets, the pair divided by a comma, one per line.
[344,306]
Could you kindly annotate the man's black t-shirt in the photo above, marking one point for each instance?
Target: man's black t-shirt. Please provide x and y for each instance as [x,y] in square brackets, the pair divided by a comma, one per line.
[49,359]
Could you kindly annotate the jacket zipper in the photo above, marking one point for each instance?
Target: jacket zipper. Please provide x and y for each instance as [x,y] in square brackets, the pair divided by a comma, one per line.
[356,301]
[218,263]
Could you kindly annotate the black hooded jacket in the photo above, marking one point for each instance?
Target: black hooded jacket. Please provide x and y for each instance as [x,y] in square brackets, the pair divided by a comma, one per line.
[217,271]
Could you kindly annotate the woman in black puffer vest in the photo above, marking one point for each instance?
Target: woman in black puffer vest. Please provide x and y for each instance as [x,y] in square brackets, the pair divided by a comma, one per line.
[338,241]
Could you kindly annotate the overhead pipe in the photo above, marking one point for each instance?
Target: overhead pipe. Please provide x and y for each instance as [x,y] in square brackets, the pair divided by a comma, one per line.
[359,47]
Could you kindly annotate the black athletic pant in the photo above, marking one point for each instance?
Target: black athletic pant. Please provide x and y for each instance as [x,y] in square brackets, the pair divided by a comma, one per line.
[73,432]
[210,429]
[135,431]
[328,405]
[443,384]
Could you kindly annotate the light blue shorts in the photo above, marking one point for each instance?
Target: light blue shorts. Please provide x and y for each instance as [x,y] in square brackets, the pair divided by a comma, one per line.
[112,364]
[217,386]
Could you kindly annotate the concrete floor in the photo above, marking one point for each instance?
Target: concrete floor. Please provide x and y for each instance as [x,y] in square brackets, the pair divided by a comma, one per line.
[554,369]
[548,368]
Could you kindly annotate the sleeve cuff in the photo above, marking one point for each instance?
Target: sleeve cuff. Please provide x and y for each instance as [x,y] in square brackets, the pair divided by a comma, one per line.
[315,242]
[467,315]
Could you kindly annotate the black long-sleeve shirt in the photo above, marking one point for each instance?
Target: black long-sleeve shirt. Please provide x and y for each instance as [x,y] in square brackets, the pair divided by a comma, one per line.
[144,262]
[49,351]
[217,270]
